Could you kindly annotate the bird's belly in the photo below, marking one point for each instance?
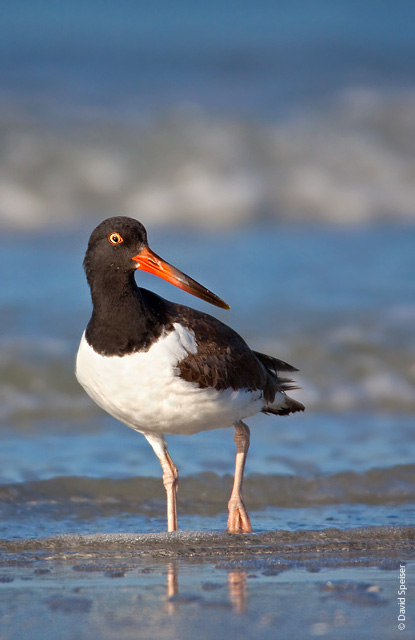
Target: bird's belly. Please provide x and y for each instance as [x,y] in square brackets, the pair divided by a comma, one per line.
[146,393]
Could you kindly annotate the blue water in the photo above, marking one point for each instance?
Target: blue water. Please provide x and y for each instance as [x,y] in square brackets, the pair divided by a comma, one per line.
[338,304]
[207,114]
[249,59]
[269,148]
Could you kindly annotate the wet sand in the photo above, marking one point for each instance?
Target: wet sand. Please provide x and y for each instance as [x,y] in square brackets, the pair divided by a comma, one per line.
[330,583]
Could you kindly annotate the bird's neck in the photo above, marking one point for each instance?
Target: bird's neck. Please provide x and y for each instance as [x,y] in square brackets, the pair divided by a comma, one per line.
[121,321]
[112,288]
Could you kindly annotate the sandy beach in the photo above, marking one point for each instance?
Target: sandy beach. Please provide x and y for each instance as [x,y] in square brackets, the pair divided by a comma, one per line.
[330,583]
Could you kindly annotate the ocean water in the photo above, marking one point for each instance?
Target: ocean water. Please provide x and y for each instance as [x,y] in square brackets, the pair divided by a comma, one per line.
[207,114]
[337,304]
[270,150]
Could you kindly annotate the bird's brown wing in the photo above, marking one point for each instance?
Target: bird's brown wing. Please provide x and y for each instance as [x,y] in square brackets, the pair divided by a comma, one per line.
[223,359]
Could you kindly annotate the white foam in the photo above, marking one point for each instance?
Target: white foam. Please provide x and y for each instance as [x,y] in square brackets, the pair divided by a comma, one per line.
[350,163]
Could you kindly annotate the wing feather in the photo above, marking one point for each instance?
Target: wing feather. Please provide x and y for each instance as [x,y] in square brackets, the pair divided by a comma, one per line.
[223,359]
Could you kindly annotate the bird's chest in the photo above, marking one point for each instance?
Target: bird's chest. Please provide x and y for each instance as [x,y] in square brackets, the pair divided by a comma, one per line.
[143,389]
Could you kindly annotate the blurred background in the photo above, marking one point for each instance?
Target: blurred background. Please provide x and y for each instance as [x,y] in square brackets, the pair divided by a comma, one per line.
[269,148]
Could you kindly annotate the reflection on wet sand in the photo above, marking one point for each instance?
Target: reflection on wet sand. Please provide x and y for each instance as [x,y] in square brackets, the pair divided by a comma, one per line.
[236,587]
[172,588]
[256,587]
[237,590]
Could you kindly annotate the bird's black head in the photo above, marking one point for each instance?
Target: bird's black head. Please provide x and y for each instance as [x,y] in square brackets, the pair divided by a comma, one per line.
[118,246]
[113,245]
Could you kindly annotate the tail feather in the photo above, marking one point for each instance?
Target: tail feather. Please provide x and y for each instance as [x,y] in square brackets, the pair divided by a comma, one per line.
[273,364]
[278,403]
[289,405]
[287,384]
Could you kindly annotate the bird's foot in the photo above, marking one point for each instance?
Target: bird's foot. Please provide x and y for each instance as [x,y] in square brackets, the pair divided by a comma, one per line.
[238,519]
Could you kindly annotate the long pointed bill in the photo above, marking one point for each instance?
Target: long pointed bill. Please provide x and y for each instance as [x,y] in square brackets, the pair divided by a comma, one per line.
[149,261]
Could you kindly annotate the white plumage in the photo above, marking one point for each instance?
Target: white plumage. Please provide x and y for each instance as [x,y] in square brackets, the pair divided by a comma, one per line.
[144,390]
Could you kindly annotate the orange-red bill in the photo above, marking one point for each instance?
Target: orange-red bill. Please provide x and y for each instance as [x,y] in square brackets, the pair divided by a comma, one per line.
[149,261]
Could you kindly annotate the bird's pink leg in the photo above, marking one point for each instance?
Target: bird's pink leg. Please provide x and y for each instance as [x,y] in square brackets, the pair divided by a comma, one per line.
[170,478]
[238,519]
[171,483]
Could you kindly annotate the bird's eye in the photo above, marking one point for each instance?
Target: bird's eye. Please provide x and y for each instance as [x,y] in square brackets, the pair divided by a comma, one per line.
[115,238]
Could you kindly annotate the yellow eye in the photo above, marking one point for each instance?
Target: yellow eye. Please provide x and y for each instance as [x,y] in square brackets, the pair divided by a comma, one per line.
[115,238]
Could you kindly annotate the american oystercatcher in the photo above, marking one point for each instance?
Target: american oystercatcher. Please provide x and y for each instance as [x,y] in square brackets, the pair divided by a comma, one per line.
[163,368]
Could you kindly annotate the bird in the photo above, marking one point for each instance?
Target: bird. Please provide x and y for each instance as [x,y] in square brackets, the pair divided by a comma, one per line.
[163,368]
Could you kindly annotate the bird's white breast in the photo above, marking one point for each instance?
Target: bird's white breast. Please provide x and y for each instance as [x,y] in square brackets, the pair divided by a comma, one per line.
[144,389]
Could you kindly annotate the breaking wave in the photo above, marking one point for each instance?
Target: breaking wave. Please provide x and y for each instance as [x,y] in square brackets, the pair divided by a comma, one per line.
[349,163]
[380,486]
